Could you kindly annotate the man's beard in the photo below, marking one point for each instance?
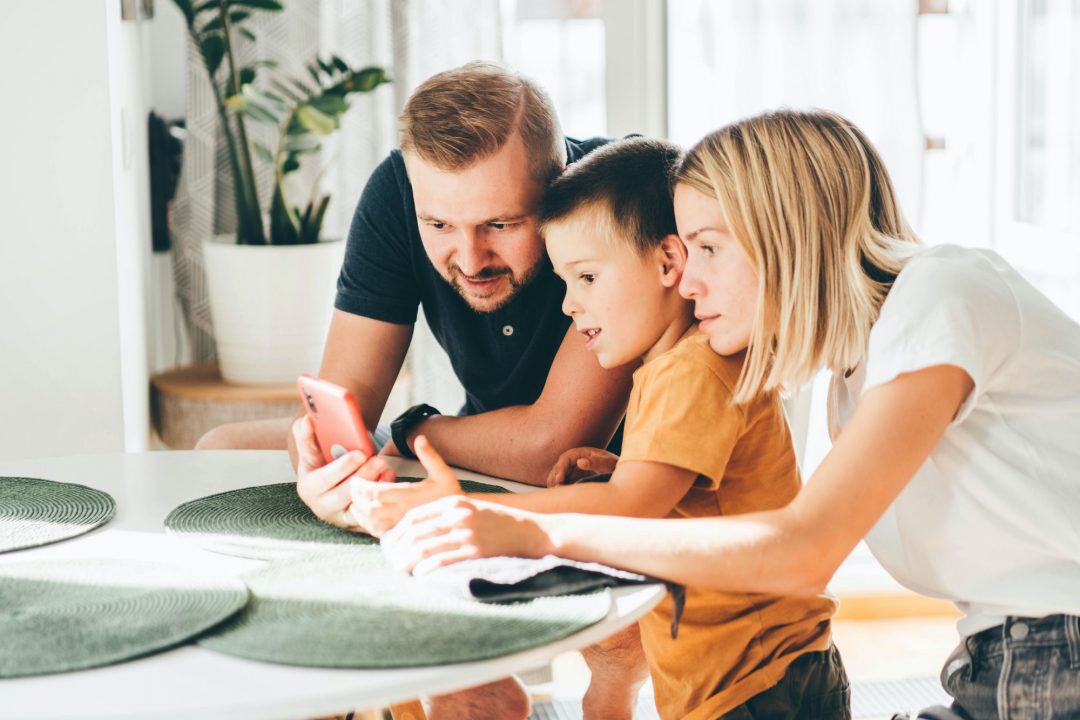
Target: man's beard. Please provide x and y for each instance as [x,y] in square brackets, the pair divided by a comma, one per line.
[516,284]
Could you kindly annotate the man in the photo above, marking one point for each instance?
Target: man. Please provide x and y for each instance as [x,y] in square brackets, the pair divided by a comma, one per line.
[449,222]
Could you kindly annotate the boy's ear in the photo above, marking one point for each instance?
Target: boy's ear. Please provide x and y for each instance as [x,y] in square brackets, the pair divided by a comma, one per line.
[673,255]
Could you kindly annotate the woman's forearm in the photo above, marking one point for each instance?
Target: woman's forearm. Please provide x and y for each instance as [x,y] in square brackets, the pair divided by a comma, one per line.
[759,552]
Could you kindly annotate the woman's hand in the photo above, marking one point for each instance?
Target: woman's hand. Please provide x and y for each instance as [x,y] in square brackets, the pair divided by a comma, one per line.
[579,463]
[458,528]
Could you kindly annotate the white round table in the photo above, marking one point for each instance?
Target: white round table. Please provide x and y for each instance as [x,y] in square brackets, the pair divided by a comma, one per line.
[191,682]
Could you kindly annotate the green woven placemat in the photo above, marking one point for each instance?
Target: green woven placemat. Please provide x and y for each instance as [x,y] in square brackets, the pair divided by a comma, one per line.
[267,522]
[63,615]
[37,512]
[350,610]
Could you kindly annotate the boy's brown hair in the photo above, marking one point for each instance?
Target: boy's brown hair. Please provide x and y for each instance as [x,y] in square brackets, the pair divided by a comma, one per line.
[628,182]
[460,116]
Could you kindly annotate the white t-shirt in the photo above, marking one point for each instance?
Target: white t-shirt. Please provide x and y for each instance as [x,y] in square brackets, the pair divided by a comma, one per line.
[991,520]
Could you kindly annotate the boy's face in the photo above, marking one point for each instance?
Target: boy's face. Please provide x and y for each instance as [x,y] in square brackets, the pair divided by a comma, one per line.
[478,225]
[719,277]
[616,297]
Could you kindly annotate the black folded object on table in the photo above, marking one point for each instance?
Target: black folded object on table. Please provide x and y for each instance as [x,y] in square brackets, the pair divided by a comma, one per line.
[510,579]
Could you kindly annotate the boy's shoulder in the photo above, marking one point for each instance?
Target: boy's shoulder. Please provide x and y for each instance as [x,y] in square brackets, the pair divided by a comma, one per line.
[692,354]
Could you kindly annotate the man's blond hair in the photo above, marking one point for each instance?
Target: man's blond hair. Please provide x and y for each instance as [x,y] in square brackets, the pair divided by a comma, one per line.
[809,200]
[461,116]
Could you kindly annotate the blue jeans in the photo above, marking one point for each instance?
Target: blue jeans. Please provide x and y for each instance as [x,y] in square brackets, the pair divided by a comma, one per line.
[1027,668]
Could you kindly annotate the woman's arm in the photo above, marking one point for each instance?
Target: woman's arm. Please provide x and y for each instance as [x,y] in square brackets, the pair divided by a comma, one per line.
[795,549]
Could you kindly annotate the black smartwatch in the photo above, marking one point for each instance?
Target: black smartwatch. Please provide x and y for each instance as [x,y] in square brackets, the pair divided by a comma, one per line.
[405,422]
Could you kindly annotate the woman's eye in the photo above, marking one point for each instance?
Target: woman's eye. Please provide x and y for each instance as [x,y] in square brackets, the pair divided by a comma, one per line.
[708,250]
[587,278]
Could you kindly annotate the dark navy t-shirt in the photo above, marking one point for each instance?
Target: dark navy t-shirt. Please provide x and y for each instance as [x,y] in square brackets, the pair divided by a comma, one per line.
[501,358]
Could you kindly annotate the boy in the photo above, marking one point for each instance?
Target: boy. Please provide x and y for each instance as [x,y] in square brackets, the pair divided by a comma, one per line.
[609,227]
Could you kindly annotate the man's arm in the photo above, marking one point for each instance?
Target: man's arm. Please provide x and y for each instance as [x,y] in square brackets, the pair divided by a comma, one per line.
[581,404]
[364,356]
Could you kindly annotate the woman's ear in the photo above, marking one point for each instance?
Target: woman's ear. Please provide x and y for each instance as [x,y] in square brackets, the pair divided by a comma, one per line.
[673,255]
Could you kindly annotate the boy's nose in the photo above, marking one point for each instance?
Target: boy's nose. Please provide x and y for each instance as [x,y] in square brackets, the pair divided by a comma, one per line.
[569,307]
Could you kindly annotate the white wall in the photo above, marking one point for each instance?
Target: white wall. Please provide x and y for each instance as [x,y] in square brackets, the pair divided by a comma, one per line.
[72,328]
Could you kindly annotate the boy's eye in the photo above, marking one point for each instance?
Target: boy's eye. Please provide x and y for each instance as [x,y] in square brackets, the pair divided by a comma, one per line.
[587,278]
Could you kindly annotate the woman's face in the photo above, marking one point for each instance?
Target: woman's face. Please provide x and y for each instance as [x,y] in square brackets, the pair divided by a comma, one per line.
[719,277]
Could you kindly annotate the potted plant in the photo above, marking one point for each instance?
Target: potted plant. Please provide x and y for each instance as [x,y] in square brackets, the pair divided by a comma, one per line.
[265,331]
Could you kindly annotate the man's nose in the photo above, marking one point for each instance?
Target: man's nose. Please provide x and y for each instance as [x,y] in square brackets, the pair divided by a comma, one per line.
[472,252]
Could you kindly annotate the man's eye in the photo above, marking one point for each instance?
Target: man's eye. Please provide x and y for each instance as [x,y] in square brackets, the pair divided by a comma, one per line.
[500,226]
[438,225]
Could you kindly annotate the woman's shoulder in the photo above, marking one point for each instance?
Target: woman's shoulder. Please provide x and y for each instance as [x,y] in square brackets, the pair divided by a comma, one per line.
[951,280]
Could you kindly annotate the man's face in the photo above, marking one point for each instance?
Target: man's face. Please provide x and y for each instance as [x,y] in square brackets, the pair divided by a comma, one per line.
[478,225]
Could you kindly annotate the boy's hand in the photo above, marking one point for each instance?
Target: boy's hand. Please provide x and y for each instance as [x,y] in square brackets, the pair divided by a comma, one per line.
[320,485]
[378,503]
[579,463]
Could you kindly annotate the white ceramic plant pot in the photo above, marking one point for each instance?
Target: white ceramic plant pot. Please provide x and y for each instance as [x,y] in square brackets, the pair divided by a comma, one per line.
[271,306]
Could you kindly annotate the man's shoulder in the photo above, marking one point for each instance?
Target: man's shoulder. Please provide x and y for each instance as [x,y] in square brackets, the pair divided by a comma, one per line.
[578,148]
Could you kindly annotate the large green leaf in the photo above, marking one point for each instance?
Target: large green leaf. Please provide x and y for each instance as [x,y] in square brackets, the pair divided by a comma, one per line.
[366,80]
[315,121]
[218,23]
[187,9]
[213,50]
[273,5]
[302,143]
[330,104]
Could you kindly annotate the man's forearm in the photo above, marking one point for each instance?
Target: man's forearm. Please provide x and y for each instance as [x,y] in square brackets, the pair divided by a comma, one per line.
[511,443]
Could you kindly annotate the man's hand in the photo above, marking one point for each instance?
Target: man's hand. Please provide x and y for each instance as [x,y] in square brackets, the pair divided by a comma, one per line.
[577,464]
[320,485]
[390,449]
[458,528]
[378,503]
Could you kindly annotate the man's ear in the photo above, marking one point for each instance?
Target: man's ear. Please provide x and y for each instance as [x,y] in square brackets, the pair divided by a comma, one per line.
[673,255]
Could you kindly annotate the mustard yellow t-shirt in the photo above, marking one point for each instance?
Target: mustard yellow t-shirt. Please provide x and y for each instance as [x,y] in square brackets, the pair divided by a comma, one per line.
[730,646]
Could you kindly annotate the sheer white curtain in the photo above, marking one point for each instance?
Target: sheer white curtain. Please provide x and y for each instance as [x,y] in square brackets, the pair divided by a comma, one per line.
[731,59]
[857,57]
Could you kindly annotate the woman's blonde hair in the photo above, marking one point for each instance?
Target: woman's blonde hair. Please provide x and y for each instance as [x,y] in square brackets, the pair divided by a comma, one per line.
[809,200]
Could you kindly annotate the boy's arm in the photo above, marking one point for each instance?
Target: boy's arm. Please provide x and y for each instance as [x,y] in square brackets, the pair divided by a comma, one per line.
[636,489]
[639,489]
[581,404]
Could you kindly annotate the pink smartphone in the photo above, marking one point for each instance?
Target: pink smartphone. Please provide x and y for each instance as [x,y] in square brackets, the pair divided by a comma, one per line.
[339,427]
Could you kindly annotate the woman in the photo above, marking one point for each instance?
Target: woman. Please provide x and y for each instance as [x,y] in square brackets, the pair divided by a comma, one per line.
[954,410]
